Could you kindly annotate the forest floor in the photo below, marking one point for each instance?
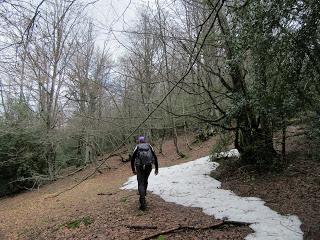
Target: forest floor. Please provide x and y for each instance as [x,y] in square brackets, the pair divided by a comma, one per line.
[98,209]
[295,191]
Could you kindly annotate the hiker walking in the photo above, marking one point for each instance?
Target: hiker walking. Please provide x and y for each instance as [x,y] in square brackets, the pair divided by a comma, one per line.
[141,163]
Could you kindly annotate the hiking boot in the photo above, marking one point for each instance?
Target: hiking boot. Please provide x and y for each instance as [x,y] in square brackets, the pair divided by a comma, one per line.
[143,204]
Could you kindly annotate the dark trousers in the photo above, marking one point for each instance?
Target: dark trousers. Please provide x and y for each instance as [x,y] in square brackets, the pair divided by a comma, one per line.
[143,172]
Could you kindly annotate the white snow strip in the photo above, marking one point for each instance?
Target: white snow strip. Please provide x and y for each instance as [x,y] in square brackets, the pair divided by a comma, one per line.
[188,184]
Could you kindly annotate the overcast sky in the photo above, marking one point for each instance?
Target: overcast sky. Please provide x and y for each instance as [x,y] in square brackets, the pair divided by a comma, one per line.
[114,15]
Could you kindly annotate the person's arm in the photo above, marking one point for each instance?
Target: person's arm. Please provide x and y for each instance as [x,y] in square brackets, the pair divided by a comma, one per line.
[156,171]
[156,165]
[133,157]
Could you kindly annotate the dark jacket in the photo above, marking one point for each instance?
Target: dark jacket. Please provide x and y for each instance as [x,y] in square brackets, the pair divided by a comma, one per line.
[134,155]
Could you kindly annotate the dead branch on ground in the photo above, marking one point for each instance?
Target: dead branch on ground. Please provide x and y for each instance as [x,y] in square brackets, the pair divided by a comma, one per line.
[179,228]
[139,227]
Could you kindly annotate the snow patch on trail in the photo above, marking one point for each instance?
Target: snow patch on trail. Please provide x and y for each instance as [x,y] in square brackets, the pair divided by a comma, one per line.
[188,184]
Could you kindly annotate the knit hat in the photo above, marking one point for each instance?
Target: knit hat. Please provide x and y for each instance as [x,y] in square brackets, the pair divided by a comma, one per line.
[141,139]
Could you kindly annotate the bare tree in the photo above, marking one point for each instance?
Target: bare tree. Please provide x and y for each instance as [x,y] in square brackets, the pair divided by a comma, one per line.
[87,89]
[49,52]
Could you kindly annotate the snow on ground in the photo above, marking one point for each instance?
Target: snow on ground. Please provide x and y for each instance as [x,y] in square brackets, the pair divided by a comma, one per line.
[190,185]
[231,153]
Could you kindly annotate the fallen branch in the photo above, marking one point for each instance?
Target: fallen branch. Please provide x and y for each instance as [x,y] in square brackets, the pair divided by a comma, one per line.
[108,194]
[104,194]
[141,226]
[236,223]
[74,172]
[179,228]
[116,155]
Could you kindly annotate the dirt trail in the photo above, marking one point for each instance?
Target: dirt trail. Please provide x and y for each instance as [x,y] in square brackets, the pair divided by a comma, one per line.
[104,211]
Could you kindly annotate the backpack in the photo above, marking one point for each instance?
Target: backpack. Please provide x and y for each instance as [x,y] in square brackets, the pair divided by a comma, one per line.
[144,155]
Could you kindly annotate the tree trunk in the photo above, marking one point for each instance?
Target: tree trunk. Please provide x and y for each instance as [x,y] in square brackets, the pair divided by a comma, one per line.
[253,135]
[255,142]
[162,140]
[283,142]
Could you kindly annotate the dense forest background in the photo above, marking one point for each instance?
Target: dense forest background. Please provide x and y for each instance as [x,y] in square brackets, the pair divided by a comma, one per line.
[242,69]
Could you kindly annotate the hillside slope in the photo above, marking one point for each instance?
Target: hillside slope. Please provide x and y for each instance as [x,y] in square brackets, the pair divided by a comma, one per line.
[98,209]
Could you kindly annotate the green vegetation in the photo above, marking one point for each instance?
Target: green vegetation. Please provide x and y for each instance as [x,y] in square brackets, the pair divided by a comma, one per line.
[247,73]
[76,223]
